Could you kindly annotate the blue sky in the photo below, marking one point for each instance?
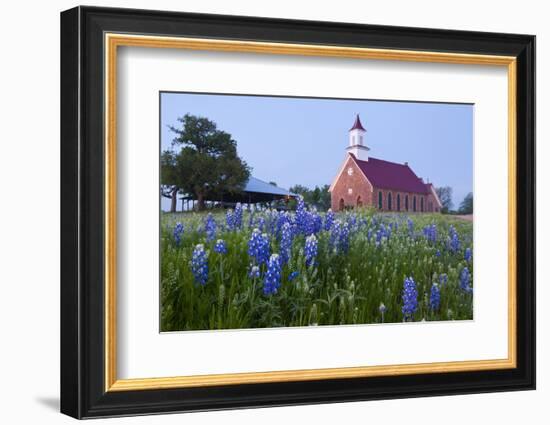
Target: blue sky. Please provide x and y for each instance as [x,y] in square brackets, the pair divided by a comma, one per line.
[302,141]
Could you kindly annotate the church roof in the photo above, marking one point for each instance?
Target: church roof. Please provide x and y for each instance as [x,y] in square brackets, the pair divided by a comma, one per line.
[391,175]
[357,124]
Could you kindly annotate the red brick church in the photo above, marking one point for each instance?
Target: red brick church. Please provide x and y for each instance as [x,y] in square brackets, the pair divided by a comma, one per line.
[387,186]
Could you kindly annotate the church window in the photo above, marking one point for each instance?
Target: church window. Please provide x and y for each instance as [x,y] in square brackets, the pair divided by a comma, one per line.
[414,203]
[398,202]
[389,201]
[379,200]
[406,202]
[422,204]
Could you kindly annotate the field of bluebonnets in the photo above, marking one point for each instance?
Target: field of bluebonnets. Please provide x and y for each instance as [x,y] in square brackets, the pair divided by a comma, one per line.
[251,268]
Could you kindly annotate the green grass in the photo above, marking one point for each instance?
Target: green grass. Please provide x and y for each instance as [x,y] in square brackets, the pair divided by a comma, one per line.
[342,288]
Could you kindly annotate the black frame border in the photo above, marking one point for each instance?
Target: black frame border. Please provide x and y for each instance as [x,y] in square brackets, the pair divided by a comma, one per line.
[82,207]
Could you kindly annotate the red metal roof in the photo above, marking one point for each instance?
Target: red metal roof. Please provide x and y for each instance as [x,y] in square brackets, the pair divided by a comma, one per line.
[390,175]
[357,124]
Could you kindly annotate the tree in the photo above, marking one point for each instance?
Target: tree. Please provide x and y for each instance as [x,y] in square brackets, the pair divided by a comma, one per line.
[467,205]
[445,195]
[207,164]
[168,172]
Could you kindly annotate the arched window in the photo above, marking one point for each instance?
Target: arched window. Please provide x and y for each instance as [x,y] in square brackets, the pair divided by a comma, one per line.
[406,202]
[414,203]
[359,202]
[389,201]
[379,200]
[341,205]
[398,202]
[422,204]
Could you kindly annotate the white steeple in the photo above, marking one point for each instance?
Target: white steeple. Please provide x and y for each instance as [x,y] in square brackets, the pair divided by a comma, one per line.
[357,141]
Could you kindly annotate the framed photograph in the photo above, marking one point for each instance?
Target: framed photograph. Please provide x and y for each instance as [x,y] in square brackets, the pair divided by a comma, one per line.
[261,212]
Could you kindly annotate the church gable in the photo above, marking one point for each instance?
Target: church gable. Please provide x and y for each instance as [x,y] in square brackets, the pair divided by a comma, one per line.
[350,188]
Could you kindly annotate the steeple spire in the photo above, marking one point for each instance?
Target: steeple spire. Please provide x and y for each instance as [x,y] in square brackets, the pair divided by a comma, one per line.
[357,124]
[356,141]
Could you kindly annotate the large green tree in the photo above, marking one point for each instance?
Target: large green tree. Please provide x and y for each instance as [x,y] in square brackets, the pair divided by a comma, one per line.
[445,195]
[467,204]
[169,177]
[207,165]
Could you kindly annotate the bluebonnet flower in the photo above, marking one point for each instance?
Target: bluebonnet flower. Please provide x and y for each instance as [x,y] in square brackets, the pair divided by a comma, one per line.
[382,310]
[261,223]
[382,232]
[199,264]
[410,298]
[443,279]
[468,255]
[438,253]
[178,231]
[238,216]
[430,233]
[220,247]
[329,219]
[302,216]
[230,220]
[258,246]
[286,242]
[369,234]
[435,297]
[317,222]
[454,241]
[254,272]
[311,250]
[343,240]
[410,224]
[335,235]
[465,280]
[293,276]
[210,227]
[272,279]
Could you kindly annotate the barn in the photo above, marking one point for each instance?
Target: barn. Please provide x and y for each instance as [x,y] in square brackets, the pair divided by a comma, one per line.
[388,186]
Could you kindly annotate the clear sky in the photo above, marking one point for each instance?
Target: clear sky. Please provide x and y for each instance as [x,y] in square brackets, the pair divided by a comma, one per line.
[302,141]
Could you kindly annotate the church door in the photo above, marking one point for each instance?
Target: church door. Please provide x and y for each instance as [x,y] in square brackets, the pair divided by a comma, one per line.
[341,205]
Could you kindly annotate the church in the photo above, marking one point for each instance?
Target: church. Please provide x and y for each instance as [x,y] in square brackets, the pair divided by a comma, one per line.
[364,181]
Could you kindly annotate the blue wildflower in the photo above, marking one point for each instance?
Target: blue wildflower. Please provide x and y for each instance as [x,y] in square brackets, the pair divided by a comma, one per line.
[254,272]
[410,224]
[468,255]
[410,299]
[329,219]
[272,279]
[258,246]
[465,280]
[435,297]
[178,231]
[210,227]
[335,235]
[430,233]
[454,241]
[238,216]
[293,276]
[220,247]
[286,242]
[443,279]
[438,253]
[199,264]
[311,250]
[343,240]
[230,220]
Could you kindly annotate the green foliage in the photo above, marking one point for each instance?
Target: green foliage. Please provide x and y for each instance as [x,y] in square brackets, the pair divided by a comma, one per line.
[445,195]
[467,205]
[342,288]
[319,197]
[207,164]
